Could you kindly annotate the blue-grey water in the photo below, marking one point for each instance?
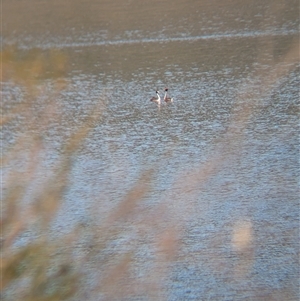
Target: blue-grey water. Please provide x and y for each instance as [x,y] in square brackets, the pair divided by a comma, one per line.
[223,158]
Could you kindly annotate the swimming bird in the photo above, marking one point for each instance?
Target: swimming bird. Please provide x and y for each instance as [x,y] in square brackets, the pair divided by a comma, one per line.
[156,99]
[166,97]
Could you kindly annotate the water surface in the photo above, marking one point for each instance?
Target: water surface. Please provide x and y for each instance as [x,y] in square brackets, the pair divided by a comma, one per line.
[224,157]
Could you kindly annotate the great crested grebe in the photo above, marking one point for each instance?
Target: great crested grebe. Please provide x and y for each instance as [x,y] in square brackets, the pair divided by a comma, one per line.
[156,99]
[166,97]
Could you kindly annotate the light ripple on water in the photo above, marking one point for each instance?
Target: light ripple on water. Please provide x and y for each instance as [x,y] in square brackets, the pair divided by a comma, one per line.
[160,39]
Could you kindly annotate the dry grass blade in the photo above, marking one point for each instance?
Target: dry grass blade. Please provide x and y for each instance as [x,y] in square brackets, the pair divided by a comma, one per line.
[135,194]
[29,271]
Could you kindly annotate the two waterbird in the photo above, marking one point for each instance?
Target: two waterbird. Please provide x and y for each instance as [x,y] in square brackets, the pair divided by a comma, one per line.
[156,99]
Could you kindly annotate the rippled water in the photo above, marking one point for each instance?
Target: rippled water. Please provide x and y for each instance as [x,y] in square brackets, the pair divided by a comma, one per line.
[224,155]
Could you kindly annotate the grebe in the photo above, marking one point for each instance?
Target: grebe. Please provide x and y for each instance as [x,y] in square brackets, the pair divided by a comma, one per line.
[156,99]
[166,97]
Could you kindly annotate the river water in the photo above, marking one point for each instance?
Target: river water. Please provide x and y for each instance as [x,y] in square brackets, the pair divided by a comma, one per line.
[220,216]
